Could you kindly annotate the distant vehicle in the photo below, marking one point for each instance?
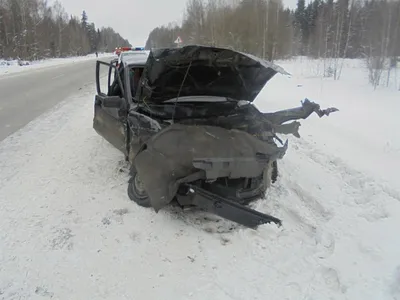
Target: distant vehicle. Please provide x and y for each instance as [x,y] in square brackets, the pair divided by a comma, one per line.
[186,124]
[119,50]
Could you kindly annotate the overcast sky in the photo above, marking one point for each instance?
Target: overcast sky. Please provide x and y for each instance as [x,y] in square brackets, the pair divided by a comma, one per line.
[133,19]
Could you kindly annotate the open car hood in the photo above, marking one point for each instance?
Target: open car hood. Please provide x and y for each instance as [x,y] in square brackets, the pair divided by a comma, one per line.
[204,71]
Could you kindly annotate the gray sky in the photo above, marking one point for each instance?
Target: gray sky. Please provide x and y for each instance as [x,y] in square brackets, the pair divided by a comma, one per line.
[133,19]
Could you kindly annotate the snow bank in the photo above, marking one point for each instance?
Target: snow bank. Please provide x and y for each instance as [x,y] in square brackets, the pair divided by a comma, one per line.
[11,67]
[354,71]
[69,230]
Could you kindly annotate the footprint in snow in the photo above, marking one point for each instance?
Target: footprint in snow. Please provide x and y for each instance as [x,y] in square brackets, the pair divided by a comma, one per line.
[106,221]
[394,287]
[373,251]
[203,221]
[325,244]
[134,236]
[293,288]
[41,291]
[62,240]
[331,278]
[72,214]
[123,167]
[121,212]
[375,213]
[117,216]
[224,240]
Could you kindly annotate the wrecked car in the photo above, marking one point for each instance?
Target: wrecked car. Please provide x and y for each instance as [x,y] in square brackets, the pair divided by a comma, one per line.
[185,121]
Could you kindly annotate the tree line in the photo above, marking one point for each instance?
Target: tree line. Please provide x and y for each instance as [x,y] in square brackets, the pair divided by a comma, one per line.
[329,29]
[31,30]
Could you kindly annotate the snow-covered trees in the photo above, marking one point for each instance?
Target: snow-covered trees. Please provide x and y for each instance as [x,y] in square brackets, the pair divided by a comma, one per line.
[31,29]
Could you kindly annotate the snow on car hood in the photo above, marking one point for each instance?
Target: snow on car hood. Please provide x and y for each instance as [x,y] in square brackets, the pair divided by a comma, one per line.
[205,71]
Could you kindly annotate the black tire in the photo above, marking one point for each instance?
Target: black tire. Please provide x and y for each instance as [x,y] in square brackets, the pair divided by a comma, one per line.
[136,191]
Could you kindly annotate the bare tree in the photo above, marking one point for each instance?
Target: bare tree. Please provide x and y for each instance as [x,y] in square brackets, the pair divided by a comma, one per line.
[330,29]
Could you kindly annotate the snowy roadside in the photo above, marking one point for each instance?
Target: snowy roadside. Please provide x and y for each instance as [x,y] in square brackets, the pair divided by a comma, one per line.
[362,133]
[35,65]
[70,232]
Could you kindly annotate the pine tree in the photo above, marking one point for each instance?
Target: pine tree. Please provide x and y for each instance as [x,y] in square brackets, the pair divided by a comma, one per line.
[84,20]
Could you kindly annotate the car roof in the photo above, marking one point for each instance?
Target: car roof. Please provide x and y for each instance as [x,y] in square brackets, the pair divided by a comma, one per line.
[130,52]
[139,59]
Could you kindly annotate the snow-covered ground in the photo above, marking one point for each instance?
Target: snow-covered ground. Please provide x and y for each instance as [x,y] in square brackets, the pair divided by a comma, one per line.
[15,68]
[68,230]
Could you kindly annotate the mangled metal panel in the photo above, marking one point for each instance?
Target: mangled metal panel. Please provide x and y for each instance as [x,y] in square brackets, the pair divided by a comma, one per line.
[175,152]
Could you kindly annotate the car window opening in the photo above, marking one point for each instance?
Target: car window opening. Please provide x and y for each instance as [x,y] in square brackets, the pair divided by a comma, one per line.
[135,75]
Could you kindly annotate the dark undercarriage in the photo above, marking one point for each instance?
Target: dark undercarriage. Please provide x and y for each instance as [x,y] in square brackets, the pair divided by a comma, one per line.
[193,136]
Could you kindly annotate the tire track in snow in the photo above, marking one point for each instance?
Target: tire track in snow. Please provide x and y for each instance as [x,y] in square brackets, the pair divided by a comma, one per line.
[364,190]
[303,218]
[349,197]
[305,213]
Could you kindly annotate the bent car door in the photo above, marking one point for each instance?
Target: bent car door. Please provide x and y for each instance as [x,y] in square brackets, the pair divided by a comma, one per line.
[110,108]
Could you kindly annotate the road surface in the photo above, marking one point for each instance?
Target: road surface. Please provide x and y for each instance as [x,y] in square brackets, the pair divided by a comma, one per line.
[25,96]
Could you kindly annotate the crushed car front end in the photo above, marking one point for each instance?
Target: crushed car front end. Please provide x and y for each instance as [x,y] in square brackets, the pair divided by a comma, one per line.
[212,149]
[222,163]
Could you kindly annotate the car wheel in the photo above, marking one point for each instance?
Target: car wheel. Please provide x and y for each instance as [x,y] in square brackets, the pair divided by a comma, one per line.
[136,191]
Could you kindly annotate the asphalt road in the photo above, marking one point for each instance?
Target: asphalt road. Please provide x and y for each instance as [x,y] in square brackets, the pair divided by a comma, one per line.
[25,96]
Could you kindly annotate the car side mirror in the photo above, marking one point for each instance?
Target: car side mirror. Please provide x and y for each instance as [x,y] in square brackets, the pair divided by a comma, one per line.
[113,102]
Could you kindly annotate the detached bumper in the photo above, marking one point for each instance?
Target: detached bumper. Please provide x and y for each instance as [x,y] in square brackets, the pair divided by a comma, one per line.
[229,209]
